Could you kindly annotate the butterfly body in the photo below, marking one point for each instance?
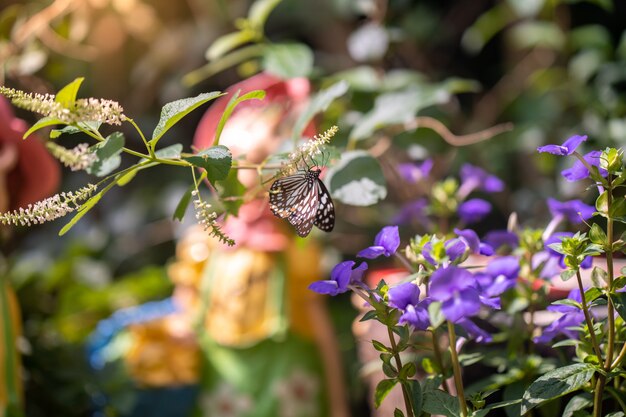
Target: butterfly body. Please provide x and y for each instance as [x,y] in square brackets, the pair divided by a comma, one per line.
[304,201]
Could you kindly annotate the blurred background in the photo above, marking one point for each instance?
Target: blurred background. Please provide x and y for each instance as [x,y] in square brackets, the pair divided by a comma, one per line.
[551,68]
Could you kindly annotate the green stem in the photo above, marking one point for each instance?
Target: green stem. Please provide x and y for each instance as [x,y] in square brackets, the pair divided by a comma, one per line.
[149,147]
[99,138]
[456,367]
[597,396]
[396,355]
[592,333]
[9,348]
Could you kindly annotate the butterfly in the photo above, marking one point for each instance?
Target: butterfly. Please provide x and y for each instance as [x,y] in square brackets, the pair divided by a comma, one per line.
[304,201]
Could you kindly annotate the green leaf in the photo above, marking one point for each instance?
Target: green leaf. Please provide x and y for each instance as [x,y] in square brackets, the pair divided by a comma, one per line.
[357,179]
[597,235]
[92,125]
[369,315]
[435,315]
[578,402]
[230,107]
[231,189]
[592,293]
[172,112]
[127,177]
[401,107]
[619,301]
[602,203]
[318,103]
[67,95]
[598,276]
[389,370]
[407,371]
[417,398]
[556,383]
[170,152]
[259,11]
[618,207]
[567,274]
[382,390]
[215,160]
[89,204]
[181,208]
[108,154]
[398,413]
[227,43]
[439,402]
[288,60]
[380,347]
[40,124]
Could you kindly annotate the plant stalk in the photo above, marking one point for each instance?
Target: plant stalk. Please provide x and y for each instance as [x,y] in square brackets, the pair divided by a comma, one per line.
[456,367]
[407,397]
[592,333]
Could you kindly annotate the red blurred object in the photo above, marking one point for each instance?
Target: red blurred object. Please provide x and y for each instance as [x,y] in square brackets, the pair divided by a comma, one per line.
[30,172]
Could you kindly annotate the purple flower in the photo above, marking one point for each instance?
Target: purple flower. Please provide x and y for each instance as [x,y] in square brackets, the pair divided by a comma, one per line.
[572,317]
[558,237]
[456,248]
[411,211]
[454,287]
[567,148]
[386,243]
[416,315]
[413,172]
[498,238]
[404,294]
[474,210]
[499,276]
[475,245]
[550,264]
[341,277]
[574,210]
[473,331]
[473,178]
[578,171]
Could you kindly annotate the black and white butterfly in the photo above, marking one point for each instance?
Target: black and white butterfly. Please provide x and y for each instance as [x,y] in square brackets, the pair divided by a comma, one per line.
[304,201]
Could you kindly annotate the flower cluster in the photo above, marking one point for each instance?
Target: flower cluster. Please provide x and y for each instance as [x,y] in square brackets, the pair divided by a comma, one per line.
[49,209]
[307,151]
[448,198]
[207,218]
[78,158]
[86,109]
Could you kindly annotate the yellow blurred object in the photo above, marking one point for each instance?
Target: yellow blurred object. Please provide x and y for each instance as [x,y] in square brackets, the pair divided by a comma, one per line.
[15,320]
[163,353]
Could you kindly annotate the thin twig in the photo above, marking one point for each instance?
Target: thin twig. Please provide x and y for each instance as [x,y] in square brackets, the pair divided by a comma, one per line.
[457,140]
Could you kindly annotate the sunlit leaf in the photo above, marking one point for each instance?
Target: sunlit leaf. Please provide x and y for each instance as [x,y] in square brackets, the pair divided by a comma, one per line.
[67,95]
[227,43]
[318,103]
[215,160]
[259,11]
[107,154]
[288,60]
[172,112]
[357,179]
[40,124]
[556,383]
[89,204]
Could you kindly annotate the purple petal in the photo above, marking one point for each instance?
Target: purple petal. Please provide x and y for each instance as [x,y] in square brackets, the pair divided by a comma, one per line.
[568,147]
[372,252]
[499,238]
[329,287]
[506,265]
[416,316]
[388,238]
[575,210]
[474,210]
[341,274]
[461,304]
[562,325]
[411,211]
[404,294]
[456,248]
[578,171]
[492,302]
[485,249]
[474,177]
[470,237]
[475,332]
[445,281]
[426,253]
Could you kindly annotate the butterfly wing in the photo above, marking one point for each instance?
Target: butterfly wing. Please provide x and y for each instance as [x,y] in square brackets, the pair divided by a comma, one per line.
[325,215]
[284,192]
[306,208]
